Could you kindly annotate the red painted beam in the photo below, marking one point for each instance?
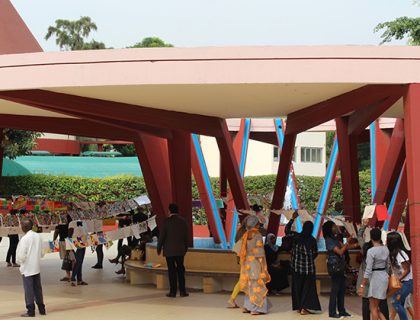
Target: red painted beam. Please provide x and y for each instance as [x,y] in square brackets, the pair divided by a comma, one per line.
[223,191]
[77,127]
[347,147]
[412,144]
[383,141]
[392,166]
[361,119]
[116,111]
[400,201]
[230,163]
[154,161]
[338,106]
[1,151]
[180,165]
[15,36]
[286,156]
[266,137]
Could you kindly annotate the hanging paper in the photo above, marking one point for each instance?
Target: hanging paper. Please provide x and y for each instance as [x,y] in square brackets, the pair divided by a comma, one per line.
[369,211]
[381,212]
[152,223]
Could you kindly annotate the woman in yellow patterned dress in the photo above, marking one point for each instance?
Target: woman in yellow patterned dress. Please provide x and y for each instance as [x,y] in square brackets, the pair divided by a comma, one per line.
[254,274]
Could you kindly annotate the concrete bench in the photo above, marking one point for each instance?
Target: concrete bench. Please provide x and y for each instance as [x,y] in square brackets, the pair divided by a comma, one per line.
[211,281]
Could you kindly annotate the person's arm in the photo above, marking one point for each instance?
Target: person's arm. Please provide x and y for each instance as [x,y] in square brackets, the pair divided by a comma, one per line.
[288,228]
[361,233]
[341,251]
[368,272]
[161,239]
[22,251]
[55,234]
[405,264]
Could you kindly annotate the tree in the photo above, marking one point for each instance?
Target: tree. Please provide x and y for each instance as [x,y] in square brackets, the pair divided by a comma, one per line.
[152,42]
[73,35]
[18,142]
[127,150]
[399,29]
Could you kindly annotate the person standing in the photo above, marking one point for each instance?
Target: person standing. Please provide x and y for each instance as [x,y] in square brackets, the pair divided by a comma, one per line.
[401,267]
[336,251]
[29,254]
[62,232]
[75,232]
[254,274]
[174,241]
[305,250]
[11,253]
[376,274]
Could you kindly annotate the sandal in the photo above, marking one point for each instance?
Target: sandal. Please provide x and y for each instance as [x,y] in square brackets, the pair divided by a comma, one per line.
[73,284]
[255,313]
[304,312]
[232,304]
[245,310]
[65,279]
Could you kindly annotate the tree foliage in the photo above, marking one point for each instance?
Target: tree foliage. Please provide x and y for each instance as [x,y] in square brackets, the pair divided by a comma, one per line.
[127,150]
[151,42]
[18,142]
[73,35]
[399,29]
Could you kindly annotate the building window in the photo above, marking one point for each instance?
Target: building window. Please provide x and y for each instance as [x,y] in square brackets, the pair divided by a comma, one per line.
[310,154]
[276,154]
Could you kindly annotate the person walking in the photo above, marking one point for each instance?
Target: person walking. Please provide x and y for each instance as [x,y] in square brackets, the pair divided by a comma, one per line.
[76,274]
[305,250]
[336,260]
[11,252]
[376,274]
[62,232]
[174,241]
[29,254]
[365,246]
[401,267]
[254,274]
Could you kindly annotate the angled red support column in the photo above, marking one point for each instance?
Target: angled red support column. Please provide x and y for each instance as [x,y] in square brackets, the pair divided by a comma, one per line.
[347,146]
[398,204]
[231,166]
[391,167]
[180,165]
[222,182]
[286,156]
[154,162]
[412,144]
[1,151]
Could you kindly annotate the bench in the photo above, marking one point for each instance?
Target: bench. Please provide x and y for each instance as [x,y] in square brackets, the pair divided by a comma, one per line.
[211,281]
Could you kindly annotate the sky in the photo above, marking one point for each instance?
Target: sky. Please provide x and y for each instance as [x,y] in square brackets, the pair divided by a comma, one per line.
[201,23]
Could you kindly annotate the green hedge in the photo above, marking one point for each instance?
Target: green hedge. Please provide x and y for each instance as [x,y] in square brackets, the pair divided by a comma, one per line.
[259,188]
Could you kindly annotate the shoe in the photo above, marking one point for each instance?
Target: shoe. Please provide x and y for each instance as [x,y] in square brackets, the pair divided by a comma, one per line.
[97,266]
[184,294]
[42,313]
[113,261]
[345,314]
[171,295]
[73,284]
[122,271]
[82,283]
[28,315]
[16,265]
[336,316]
[9,264]
[66,279]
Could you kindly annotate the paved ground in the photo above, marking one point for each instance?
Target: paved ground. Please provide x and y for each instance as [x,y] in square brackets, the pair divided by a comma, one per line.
[108,296]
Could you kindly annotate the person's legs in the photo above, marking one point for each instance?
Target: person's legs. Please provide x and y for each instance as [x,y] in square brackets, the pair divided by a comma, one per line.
[234,295]
[28,287]
[398,299]
[100,256]
[181,275]
[82,257]
[77,270]
[365,309]
[335,287]
[170,261]
[383,307]
[13,248]
[341,294]
[39,298]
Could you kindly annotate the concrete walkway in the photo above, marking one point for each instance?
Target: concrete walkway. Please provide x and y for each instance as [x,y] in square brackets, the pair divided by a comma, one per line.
[108,296]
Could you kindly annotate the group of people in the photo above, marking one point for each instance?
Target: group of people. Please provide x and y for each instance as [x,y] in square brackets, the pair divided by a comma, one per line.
[263,273]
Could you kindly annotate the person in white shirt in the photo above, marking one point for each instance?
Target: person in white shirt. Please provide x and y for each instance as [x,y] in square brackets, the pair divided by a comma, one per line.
[28,255]
[401,267]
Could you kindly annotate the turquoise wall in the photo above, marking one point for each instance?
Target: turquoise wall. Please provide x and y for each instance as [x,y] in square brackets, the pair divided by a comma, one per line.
[98,167]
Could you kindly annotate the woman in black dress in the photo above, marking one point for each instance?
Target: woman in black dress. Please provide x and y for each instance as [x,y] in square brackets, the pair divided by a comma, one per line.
[277,271]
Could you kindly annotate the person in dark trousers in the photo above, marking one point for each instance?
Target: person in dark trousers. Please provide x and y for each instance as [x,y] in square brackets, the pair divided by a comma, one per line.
[174,241]
[100,257]
[123,221]
[76,273]
[29,254]
[11,253]
[336,250]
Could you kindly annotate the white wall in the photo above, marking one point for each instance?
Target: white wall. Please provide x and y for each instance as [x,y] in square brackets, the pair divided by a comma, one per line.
[260,160]
[57,136]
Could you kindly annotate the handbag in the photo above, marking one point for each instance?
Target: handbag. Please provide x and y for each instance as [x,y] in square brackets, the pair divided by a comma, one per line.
[336,265]
[394,284]
[67,263]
